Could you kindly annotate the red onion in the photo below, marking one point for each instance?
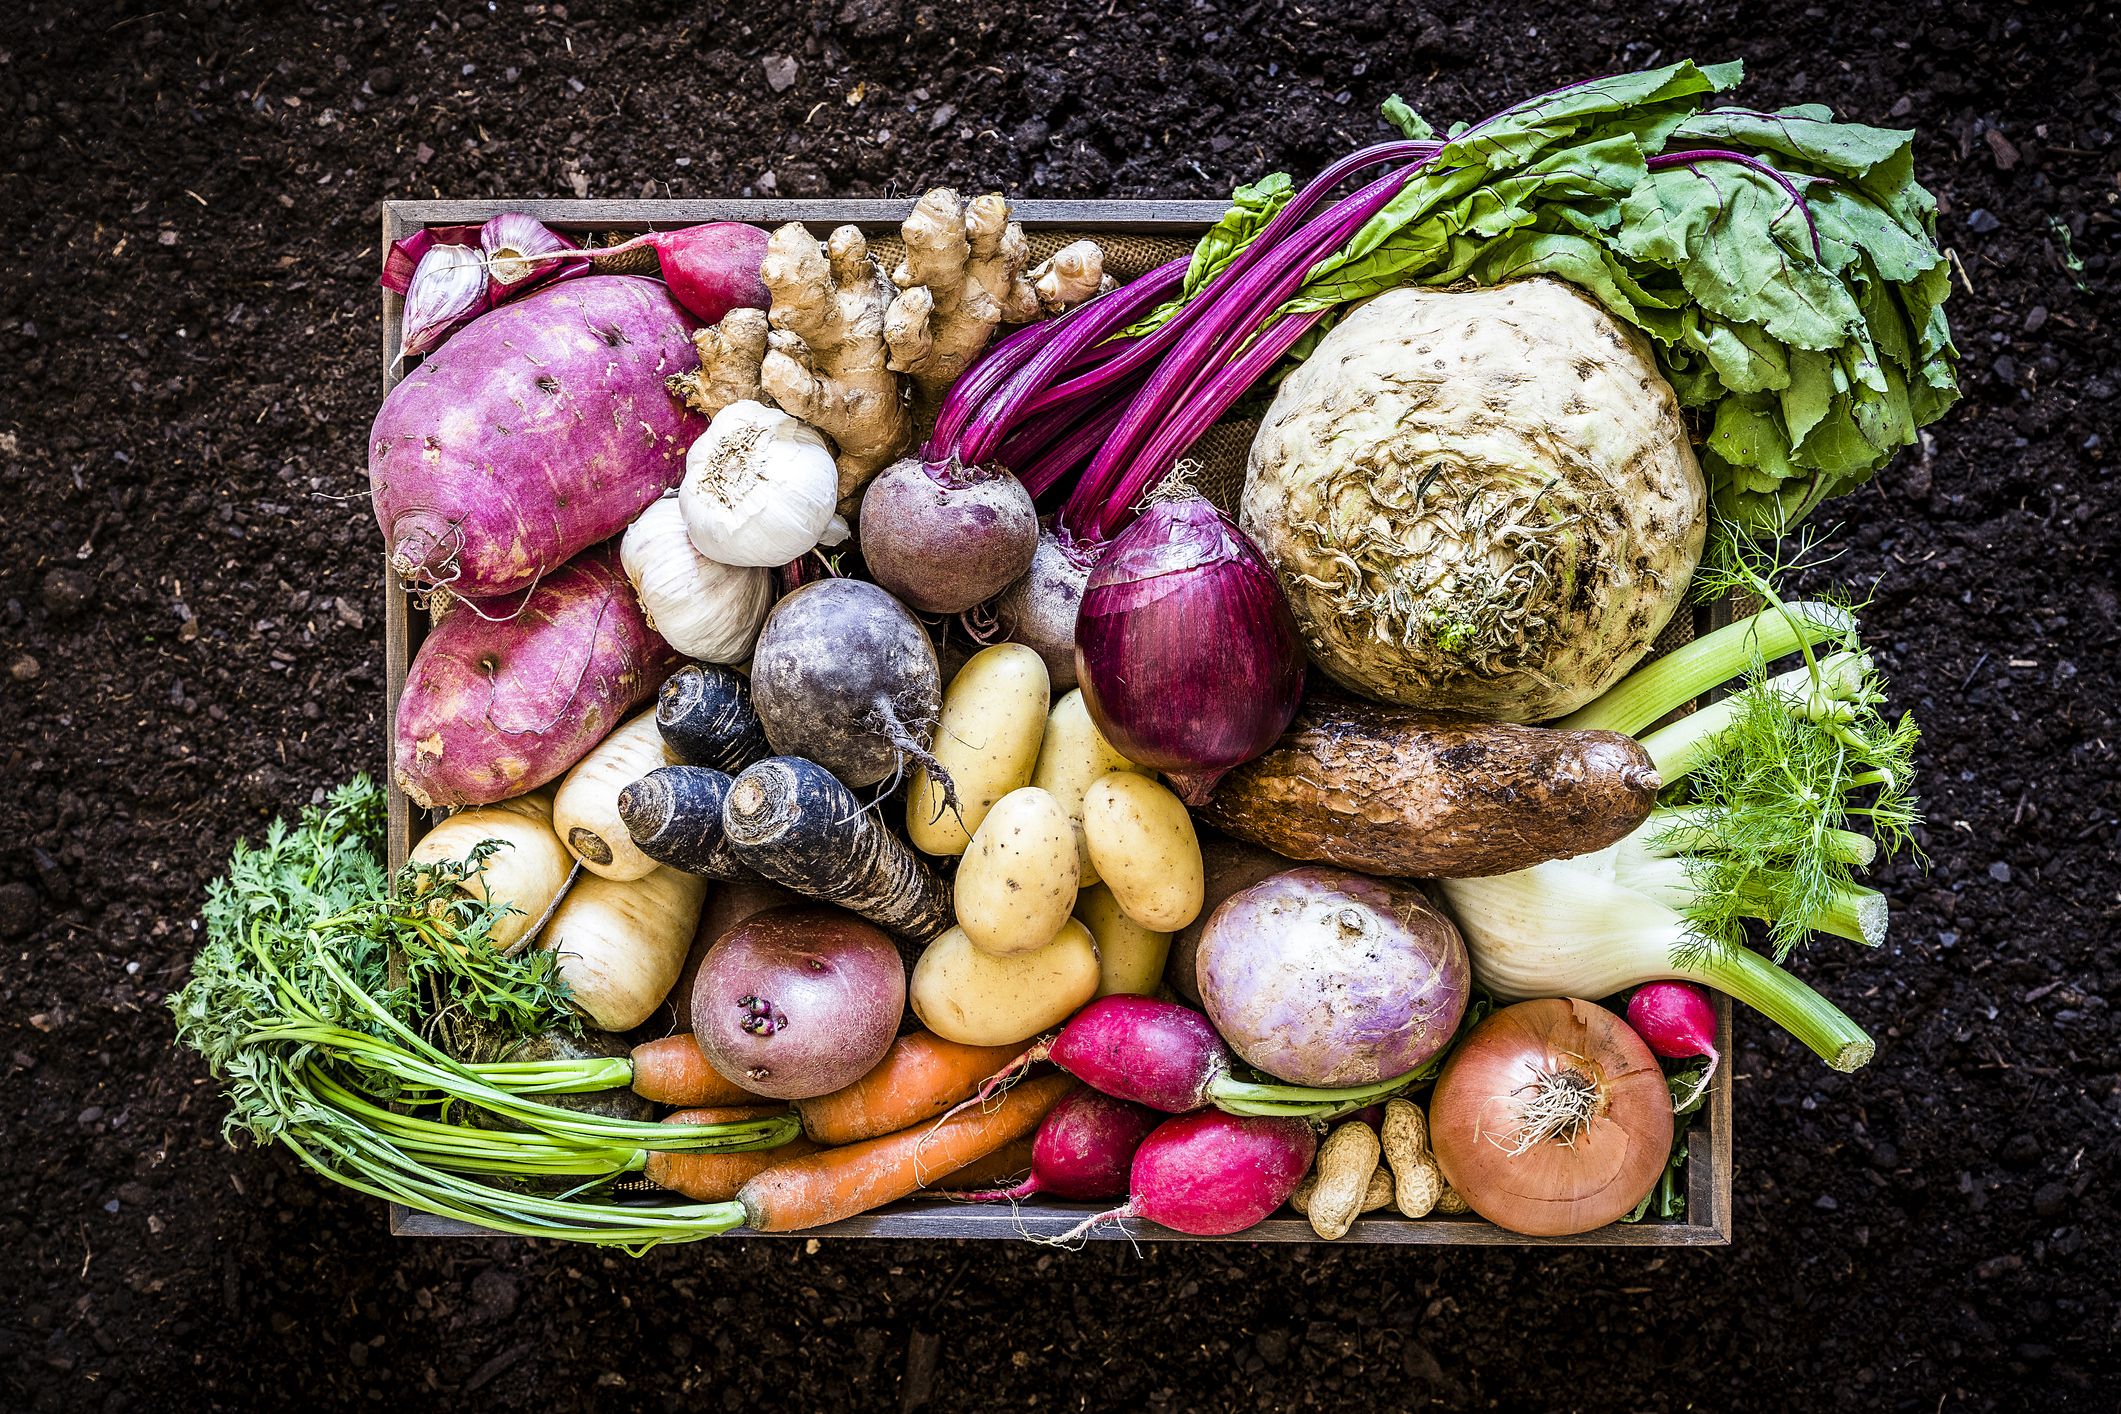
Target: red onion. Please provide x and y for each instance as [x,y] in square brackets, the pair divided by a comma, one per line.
[1185,648]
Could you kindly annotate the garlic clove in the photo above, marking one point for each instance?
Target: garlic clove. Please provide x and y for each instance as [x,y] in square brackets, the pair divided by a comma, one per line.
[448,290]
[510,241]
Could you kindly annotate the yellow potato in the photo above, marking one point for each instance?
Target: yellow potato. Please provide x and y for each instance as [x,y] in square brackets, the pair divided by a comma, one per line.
[1017,883]
[1074,754]
[1130,958]
[1142,842]
[978,999]
[994,715]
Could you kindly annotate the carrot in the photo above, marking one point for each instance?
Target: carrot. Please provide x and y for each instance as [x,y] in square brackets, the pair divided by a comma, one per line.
[1005,1165]
[673,1072]
[838,1183]
[715,1178]
[919,1077]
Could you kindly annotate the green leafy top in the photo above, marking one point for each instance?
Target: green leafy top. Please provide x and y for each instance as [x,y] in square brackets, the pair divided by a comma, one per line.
[1808,331]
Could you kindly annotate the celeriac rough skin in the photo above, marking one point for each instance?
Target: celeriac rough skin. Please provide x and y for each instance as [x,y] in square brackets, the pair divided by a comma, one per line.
[1480,501]
[537,431]
[500,700]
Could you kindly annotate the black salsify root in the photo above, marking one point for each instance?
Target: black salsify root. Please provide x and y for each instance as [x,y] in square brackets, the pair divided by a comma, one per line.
[895,731]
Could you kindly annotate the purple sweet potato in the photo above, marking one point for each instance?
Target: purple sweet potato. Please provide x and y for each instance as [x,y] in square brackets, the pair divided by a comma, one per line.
[538,430]
[499,702]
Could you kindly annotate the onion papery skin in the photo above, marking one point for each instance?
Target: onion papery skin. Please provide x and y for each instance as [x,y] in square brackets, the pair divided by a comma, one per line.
[1553,1188]
[1185,648]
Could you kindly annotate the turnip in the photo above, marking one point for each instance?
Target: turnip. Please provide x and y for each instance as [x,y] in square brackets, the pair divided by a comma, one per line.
[844,676]
[1084,1149]
[1324,977]
[944,536]
[1210,1174]
[1039,609]
[498,703]
[538,430]
[798,1001]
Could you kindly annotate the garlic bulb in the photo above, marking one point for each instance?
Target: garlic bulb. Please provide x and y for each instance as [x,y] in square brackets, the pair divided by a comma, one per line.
[760,488]
[704,609]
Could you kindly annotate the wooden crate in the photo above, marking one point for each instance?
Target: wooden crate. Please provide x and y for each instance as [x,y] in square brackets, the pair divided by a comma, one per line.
[1708,1171]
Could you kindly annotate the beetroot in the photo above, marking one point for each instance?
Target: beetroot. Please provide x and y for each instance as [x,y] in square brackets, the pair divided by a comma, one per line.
[798,1001]
[944,536]
[1084,1149]
[1209,1174]
[538,430]
[505,695]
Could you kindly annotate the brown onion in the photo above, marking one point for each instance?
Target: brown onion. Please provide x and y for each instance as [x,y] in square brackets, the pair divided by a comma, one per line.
[1551,1118]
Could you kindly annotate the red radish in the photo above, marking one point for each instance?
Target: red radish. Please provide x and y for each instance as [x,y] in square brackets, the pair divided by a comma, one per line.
[710,269]
[1675,1018]
[1169,1058]
[1084,1149]
[1208,1174]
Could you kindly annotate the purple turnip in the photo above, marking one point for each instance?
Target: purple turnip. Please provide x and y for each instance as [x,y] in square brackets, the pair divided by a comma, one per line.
[944,536]
[1039,609]
[798,1001]
[1084,1149]
[1330,978]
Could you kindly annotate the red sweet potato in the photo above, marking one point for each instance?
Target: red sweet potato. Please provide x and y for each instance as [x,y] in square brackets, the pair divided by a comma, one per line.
[499,702]
[538,430]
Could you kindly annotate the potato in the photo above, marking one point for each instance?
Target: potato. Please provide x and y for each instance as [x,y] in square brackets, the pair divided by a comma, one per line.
[978,999]
[1017,883]
[1130,958]
[994,715]
[1142,842]
[1072,757]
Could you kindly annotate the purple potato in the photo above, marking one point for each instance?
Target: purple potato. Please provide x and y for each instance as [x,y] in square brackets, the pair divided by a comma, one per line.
[798,1001]
[1329,978]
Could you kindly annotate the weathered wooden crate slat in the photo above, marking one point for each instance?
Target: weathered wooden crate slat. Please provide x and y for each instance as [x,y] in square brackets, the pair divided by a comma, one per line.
[1708,1176]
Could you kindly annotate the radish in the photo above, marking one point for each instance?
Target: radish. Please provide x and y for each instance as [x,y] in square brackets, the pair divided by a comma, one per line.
[1209,1174]
[710,269]
[1675,1018]
[1084,1149]
[1170,1058]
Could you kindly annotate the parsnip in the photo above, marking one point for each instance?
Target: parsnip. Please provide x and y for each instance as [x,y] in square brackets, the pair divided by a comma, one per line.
[526,873]
[622,943]
[585,812]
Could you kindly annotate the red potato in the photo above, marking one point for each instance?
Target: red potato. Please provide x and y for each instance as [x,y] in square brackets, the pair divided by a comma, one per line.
[538,430]
[496,705]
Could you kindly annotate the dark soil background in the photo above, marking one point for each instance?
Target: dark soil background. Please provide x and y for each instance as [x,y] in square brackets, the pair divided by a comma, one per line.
[189,614]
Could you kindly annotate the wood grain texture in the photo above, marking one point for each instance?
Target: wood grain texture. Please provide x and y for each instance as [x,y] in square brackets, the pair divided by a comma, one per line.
[1709,1158]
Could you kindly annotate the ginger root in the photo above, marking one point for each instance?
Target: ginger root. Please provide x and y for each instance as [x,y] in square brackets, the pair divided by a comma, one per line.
[964,273]
[826,360]
[730,354]
[1071,275]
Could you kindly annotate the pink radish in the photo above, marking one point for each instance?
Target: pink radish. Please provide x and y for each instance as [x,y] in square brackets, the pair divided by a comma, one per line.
[1208,1174]
[1677,1022]
[710,269]
[1169,1058]
[1084,1149]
